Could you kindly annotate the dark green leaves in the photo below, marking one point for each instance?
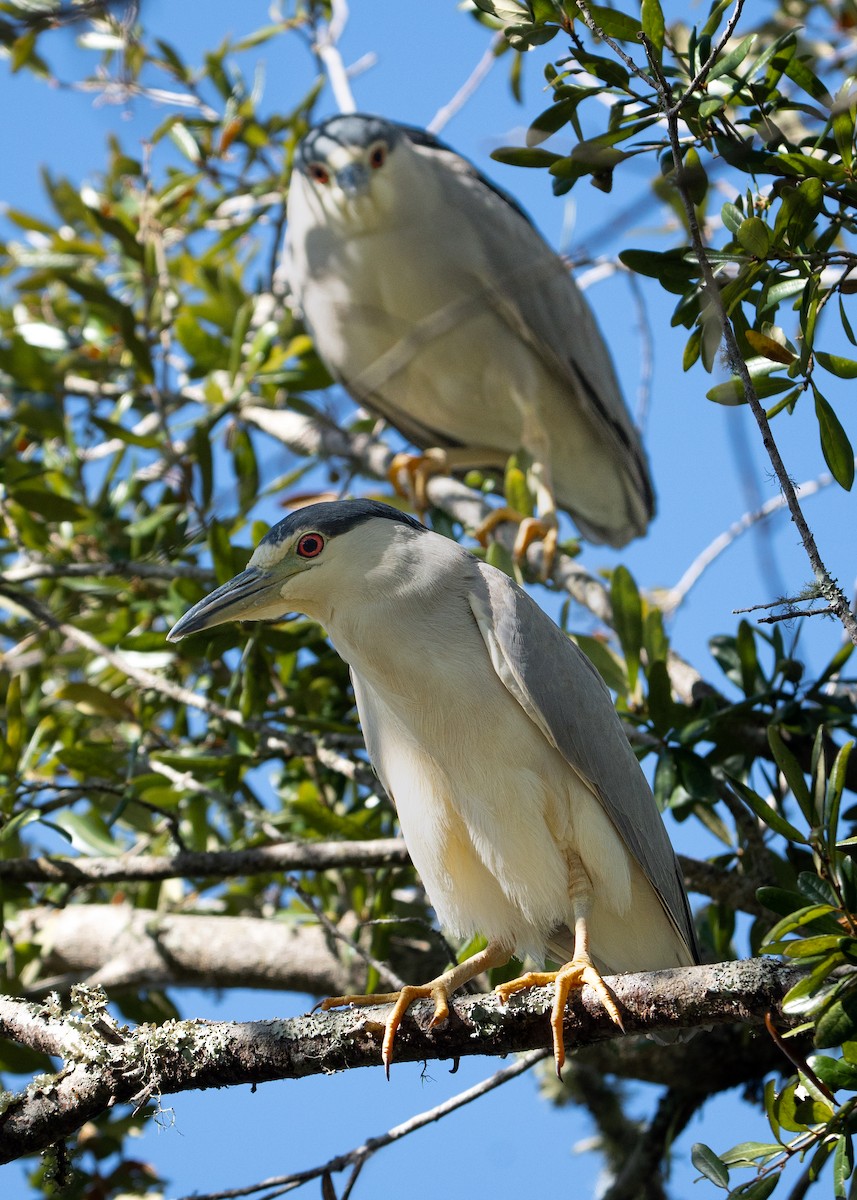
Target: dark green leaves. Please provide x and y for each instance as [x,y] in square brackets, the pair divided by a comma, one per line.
[835,444]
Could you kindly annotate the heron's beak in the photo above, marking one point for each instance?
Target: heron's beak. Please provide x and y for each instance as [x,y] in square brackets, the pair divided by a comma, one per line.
[353,178]
[254,595]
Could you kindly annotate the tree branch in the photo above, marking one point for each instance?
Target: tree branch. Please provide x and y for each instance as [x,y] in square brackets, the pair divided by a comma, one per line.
[699,876]
[119,947]
[187,1055]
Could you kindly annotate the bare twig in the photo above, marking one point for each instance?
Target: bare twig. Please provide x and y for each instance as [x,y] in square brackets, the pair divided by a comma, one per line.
[793,613]
[702,877]
[327,49]
[678,594]
[224,864]
[480,72]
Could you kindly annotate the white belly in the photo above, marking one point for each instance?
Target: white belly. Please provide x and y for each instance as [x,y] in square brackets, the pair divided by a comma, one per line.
[492,845]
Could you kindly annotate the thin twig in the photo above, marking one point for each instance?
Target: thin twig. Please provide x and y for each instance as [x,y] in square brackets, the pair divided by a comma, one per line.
[793,613]
[327,49]
[703,71]
[385,972]
[105,569]
[474,80]
[678,594]
[360,1154]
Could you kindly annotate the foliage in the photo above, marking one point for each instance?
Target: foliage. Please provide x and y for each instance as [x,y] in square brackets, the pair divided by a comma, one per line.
[143,329]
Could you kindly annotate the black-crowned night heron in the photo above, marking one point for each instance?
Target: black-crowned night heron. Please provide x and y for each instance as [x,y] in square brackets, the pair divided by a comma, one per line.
[523,807]
[434,301]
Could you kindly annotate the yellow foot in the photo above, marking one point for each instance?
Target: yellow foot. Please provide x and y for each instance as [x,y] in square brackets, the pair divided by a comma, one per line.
[418,470]
[531,529]
[573,975]
[401,1001]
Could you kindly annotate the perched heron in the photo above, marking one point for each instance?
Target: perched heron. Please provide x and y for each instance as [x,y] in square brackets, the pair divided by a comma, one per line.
[522,805]
[434,301]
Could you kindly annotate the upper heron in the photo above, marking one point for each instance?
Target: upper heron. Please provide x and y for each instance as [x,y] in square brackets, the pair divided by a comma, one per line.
[436,303]
[521,802]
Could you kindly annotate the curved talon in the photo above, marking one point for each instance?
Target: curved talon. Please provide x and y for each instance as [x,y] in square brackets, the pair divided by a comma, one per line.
[531,529]
[496,517]
[419,469]
[575,974]
[534,529]
[401,1001]
[405,999]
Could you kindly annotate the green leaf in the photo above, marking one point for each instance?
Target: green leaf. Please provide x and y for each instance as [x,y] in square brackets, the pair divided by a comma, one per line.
[835,446]
[769,815]
[843,1166]
[732,391]
[614,23]
[835,1072]
[791,768]
[748,1154]
[754,236]
[709,1164]
[846,324]
[652,20]
[838,1023]
[605,662]
[627,619]
[780,900]
[87,831]
[660,701]
[844,368]
[732,59]
[756,1189]
[521,156]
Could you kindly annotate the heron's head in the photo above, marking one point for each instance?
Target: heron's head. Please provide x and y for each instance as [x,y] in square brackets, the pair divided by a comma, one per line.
[318,559]
[349,167]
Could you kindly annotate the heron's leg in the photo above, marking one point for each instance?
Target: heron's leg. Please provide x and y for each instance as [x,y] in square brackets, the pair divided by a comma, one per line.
[575,974]
[494,955]
[530,529]
[419,468]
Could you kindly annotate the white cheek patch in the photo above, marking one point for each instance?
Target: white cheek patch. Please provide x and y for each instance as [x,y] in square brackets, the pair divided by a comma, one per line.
[267,555]
[342,156]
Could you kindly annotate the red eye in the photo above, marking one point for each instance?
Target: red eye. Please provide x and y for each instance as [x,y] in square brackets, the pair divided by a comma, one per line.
[310,545]
[378,156]
[318,172]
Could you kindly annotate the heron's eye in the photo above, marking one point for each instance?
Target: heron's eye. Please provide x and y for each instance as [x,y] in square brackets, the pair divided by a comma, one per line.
[319,172]
[310,545]
[378,156]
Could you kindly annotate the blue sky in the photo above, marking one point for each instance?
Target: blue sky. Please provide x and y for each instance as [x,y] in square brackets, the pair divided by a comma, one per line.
[424,52]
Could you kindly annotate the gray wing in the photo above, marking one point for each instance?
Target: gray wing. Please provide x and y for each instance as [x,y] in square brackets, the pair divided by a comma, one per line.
[563,694]
[536,296]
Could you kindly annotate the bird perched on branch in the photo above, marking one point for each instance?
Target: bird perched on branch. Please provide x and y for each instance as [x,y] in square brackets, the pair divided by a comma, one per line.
[522,805]
[434,301]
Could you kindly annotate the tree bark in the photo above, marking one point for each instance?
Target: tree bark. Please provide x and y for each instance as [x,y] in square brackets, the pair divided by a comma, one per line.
[106,1064]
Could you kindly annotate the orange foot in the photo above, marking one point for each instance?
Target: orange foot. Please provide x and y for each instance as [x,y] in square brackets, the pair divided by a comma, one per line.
[402,1000]
[418,470]
[574,974]
[531,529]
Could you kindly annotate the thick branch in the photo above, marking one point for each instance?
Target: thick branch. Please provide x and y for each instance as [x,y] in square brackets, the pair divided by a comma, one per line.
[188,1055]
[117,947]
